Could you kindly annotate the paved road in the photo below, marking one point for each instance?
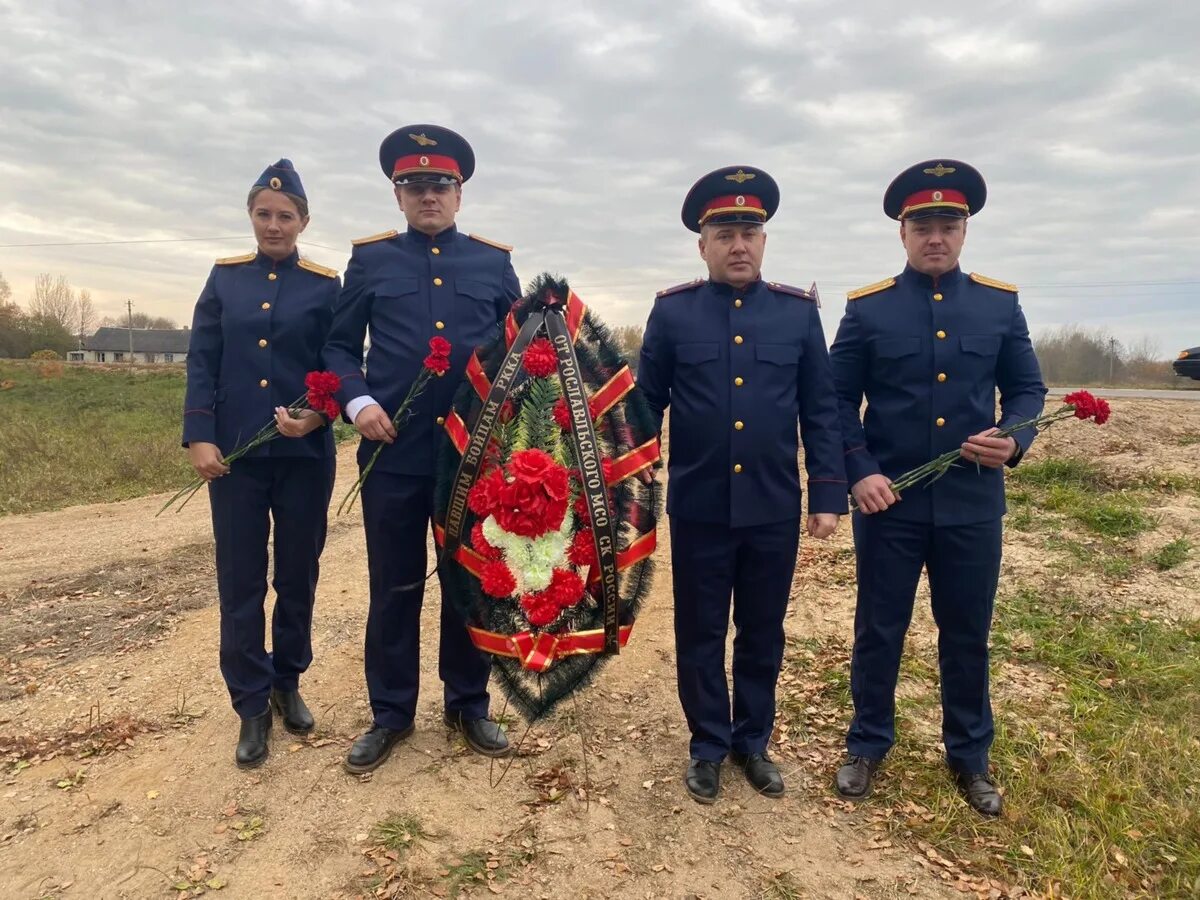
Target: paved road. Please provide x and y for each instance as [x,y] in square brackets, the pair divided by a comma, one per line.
[1193,395]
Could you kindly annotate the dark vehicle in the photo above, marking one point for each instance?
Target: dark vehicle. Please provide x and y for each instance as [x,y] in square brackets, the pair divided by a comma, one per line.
[1188,363]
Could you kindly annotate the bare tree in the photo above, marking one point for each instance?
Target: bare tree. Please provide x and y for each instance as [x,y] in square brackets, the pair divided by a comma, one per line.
[5,291]
[86,315]
[54,301]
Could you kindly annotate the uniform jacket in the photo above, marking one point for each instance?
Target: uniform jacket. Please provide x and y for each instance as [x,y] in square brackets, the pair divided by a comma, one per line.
[929,355]
[406,288]
[257,330]
[739,369]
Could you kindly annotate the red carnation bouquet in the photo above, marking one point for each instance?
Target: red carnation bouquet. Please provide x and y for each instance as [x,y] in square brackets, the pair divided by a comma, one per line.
[1076,405]
[436,364]
[321,386]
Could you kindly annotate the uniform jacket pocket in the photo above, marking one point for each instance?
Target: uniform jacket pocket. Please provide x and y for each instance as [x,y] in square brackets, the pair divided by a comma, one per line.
[695,354]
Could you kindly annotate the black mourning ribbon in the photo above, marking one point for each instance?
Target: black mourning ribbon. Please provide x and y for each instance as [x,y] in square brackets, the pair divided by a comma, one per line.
[547,314]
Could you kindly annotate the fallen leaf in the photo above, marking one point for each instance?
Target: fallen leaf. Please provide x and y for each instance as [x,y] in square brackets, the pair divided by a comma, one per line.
[151,795]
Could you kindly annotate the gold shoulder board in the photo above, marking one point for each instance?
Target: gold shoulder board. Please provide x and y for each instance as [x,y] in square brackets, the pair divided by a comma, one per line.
[687,285]
[499,246]
[789,289]
[237,260]
[992,282]
[871,289]
[320,270]
[382,236]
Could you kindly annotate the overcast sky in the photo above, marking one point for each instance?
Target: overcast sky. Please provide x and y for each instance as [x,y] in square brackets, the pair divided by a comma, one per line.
[120,121]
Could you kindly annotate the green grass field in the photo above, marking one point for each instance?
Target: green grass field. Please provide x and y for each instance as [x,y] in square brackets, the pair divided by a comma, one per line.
[76,434]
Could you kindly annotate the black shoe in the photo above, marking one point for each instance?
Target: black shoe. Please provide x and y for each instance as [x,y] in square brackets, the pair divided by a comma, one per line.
[762,774]
[854,777]
[482,735]
[980,791]
[372,749]
[252,748]
[295,715]
[703,780]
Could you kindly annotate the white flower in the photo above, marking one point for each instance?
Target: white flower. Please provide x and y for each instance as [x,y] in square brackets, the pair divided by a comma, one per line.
[531,560]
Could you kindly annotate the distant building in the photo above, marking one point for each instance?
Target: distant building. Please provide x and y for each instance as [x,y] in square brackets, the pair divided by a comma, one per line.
[150,345]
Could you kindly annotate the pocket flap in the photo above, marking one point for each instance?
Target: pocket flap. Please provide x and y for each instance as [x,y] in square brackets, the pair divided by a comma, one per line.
[896,347]
[693,354]
[397,286]
[778,354]
[981,344]
[476,290]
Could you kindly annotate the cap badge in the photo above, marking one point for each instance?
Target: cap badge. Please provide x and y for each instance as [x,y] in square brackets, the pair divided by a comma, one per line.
[423,141]
[276,184]
[937,195]
[740,177]
[939,170]
[739,201]
[424,160]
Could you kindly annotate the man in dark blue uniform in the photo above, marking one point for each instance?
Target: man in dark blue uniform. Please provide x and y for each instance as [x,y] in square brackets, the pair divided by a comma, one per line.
[407,287]
[740,362]
[928,349]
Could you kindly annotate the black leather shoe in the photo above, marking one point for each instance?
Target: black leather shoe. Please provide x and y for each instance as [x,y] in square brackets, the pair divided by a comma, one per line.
[980,791]
[703,780]
[372,749]
[295,715]
[762,774]
[482,735]
[854,777]
[252,748]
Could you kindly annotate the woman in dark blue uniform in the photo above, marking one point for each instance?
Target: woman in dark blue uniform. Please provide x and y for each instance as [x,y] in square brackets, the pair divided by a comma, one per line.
[258,329]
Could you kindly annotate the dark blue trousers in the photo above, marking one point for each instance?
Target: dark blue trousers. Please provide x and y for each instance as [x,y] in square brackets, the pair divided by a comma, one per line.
[754,566]
[294,494]
[963,562]
[397,511]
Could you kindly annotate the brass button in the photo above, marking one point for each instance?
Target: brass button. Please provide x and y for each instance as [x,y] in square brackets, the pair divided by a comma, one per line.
[441,420]
[941,335]
[263,383]
[439,325]
[262,342]
[738,382]
[737,469]
[272,277]
[436,251]
[437,282]
[738,426]
[266,305]
[940,421]
[937,296]
[941,376]
[738,302]
[737,338]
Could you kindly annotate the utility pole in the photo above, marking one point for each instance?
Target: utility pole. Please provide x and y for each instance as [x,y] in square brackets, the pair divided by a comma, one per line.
[129,307]
[1112,357]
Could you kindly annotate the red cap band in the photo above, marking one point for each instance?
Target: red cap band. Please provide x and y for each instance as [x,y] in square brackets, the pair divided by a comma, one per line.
[931,198]
[420,162]
[733,203]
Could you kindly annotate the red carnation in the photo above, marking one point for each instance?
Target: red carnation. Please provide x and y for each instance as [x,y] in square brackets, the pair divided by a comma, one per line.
[531,466]
[496,580]
[439,346]
[1084,403]
[439,365]
[526,509]
[1103,411]
[322,382]
[562,416]
[481,545]
[540,609]
[582,551]
[485,495]
[540,359]
[331,408]
[582,512]
[565,587]
[507,411]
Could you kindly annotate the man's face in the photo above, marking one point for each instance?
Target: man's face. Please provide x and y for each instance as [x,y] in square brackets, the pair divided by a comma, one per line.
[733,252]
[429,208]
[933,244]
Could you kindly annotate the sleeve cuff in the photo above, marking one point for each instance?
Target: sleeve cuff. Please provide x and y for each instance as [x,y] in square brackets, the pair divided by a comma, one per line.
[199,426]
[827,497]
[860,464]
[357,405]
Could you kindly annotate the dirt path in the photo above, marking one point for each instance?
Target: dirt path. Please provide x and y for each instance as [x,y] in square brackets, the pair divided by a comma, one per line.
[110,614]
